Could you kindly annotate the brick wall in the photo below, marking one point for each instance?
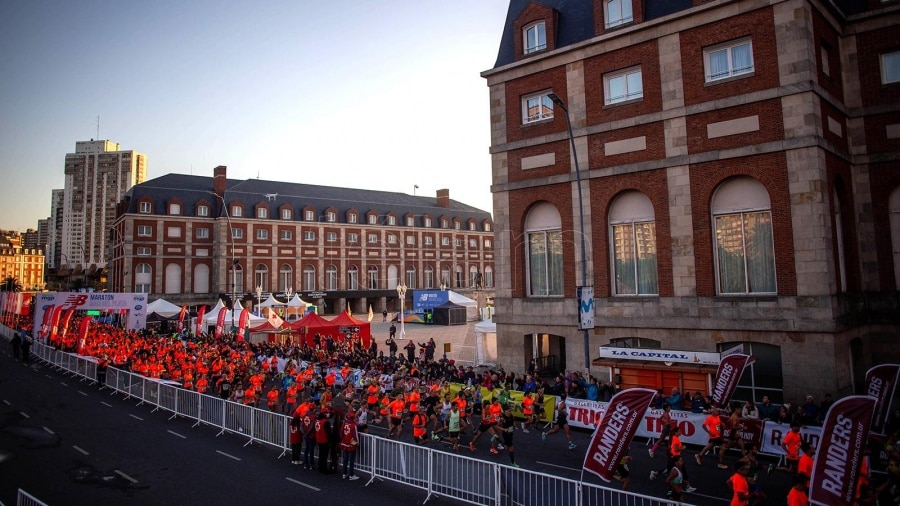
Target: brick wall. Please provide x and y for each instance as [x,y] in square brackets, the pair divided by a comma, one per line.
[645,55]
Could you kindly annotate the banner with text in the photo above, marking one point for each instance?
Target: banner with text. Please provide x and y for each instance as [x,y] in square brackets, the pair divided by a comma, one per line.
[881,382]
[839,459]
[727,377]
[616,430]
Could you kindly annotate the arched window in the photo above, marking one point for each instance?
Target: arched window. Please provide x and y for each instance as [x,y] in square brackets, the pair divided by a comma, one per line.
[632,230]
[309,278]
[373,277]
[393,276]
[429,277]
[745,249]
[445,275]
[410,277]
[474,280]
[544,252]
[173,278]
[894,207]
[285,278]
[143,278]
[261,277]
[763,376]
[353,278]
[236,277]
[201,278]
[488,277]
[460,277]
[331,277]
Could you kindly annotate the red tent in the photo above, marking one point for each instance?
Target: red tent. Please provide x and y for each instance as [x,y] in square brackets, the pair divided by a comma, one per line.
[346,321]
[309,325]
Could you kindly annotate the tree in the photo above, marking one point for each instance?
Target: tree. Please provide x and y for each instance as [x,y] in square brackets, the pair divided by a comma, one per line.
[11,284]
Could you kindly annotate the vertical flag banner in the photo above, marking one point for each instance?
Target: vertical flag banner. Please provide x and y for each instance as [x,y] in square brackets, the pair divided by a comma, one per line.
[243,322]
[66,320]
[82,334]
[371,313]
[615,432]
[881,382]
[200,314]
[180,326]
[54,325]
[727,377]
[45,321]
[841,451]
[220,323]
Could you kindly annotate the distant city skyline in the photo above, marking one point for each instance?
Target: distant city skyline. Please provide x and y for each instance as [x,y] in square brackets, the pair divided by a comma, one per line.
[378,95]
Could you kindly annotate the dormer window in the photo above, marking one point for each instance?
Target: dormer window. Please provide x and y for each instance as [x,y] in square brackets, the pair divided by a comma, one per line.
[618,12]
[535,37]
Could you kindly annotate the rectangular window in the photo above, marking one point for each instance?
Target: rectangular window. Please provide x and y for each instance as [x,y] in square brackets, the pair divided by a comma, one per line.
[373,219]
[459,243]
[262,233]
[445,241]
[331,236]
[535,37]
[351,218]
[174,209]
[445,224]
[286,235]
[145,208]
[143,251]
[237,211]
[353,238]
[472,226]
[392,220]
[487,243]
[331,217]
[473,243]
[310,215]
[618,12]
[545,263]
[745,253]
[237,233]
[373,238]
[309,279]
[309,235]
[428,222]
[890,67]
[429,240]
[410,240]
[262,213]
[144,231]
[634,258]
[623,86]
[457,225]
[202,210]
[826,68]
[410,221]
[536,108]
[202,233]
[285,214]
[392,239]
[728,60]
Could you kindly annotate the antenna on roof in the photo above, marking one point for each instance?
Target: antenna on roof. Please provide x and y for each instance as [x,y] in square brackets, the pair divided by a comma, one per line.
[98,127]
[271,196]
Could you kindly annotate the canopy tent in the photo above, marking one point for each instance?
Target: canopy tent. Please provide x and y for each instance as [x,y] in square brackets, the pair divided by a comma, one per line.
[163,309]
[296,308]
[486,343]
[449,313]
[213,316]
[298,302]
[462,300]
[347,324]
[308,326]
[267,332]
[270,302]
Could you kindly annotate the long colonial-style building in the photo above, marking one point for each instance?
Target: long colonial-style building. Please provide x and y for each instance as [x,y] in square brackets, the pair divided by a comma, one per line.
[338,247]
[736,165]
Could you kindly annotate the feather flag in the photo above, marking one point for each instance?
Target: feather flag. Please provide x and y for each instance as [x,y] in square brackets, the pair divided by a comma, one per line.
[180,326]
[220,323]
[371,313]
[64,324]
[45,321]
[244,320]
[82,334]
[200,314]
[54,325]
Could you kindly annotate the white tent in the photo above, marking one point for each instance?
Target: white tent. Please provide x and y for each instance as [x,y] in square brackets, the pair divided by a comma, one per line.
[163,308]
[486,343]
[270,302]
[213,315]
[298,302]
[462,300]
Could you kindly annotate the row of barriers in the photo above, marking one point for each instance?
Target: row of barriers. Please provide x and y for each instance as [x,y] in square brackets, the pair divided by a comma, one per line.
[435,472]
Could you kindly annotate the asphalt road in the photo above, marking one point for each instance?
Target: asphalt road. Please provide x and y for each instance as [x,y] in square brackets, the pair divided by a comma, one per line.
[69,443]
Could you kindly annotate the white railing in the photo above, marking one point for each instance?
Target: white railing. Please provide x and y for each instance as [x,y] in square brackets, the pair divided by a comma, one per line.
[436,472]
[26,499]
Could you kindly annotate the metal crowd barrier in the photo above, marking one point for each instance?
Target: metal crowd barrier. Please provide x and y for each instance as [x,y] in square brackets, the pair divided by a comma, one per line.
[436,472]
[26,499]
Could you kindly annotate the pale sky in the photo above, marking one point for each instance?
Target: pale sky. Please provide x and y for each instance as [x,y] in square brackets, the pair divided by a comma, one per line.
[376,94]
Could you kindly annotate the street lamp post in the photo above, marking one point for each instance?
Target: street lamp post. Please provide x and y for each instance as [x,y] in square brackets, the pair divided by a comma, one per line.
[587,358]
[69,268]
[401,293]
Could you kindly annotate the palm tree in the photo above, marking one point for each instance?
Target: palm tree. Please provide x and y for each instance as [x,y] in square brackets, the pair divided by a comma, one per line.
[11,284]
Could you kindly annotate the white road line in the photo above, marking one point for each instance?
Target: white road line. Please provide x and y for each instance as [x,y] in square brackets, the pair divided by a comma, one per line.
[106,404]
[302,484]
[123,475]
[24,414]
[48,430]
[136,417]
[7,402]
[63,383]
[80,450]
[176,434]
[227,455]
[82,393]
[561,467]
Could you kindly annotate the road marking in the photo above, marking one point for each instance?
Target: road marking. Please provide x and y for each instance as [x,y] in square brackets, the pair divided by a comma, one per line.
[227,455]
[136,417]
[554,465]
[709,496]
[80,450]
[24,414]
[176,434]
[63,383]
[302,484]
[82,393]
[123,475]
[48,430]
[105,404]
[7,402]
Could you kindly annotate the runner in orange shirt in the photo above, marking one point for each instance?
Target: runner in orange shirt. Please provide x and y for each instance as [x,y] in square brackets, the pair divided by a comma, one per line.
[202,384]
[272,399]
[791,444]
[739,485]
[419,424]
[805,464]
[527,411]
[713,427]
[396,408]
[290,400]
[797,495]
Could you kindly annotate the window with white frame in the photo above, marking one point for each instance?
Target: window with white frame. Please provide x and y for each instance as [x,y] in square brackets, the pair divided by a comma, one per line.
[458,242]
[392,220]
[285,277]
[331,277]
[309,278]
[487,227]
[309,215]
[534,37]
[373,219]
[372,274]
[331,236]
[236,276]
[473,243]
[309,235]
[472,226]
[237,233]
[410,240]
[353,278]
[429,241]
[445,241]
[457,225]
[143,251]
[731,59]
[890,67]
[429,277]
[410,221]
[331,216]
[488,279]
[203,210]
[143,276]
[285,214]
[544,252]
[392,239]
[144,231]
[286,235]
[373,238]
[173,232]
[474,280]
[145,208]
[410,277]
[352,217]
[261,277]
[174,209]
[427,222]
[623,85]
[745,249]
[487,243]
[202,233]
[618,12]
[262,233]
[536,108]
[632,229]
[445,223]
[352,237]
[237,211]
[262,212]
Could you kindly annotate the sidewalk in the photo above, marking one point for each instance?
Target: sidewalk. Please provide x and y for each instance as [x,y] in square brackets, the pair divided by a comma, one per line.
[460,337]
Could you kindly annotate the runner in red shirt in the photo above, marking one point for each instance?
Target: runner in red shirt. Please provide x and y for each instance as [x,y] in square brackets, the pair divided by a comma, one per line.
[712,426]
[739,485]
[791,444]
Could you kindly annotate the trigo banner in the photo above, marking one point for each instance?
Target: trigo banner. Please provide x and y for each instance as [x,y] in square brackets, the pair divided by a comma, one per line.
[840,456]
[616,430]
[727,377]
[881,382]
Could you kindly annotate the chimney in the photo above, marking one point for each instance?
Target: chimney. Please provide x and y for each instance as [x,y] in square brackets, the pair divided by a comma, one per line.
[443,198]
[220,179]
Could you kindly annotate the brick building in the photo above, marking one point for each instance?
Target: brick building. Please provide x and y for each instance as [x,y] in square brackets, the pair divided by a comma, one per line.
[337,247]
[740,178]
[24,264]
